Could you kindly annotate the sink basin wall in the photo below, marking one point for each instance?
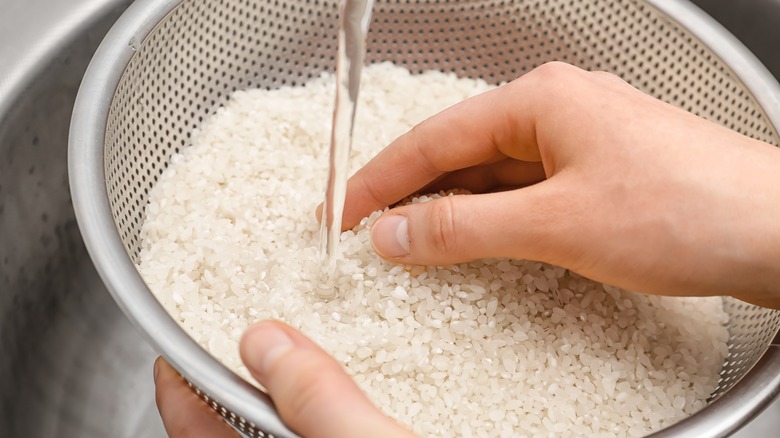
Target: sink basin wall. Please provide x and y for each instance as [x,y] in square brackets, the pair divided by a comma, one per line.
[71,364]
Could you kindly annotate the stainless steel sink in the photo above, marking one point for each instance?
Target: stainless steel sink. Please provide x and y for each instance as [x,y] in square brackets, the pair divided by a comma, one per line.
[70,363]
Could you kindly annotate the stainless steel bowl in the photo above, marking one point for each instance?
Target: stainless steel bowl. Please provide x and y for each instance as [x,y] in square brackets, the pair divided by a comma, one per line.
[168,64]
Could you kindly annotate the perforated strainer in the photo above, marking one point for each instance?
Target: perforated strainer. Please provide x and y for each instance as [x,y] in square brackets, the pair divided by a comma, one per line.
[168,64]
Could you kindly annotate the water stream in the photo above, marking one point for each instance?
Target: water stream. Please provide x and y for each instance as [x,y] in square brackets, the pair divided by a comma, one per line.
[354,18]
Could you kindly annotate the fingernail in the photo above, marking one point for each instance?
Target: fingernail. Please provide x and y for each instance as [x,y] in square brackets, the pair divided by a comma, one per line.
[156,368]
[390,236]
[266,343]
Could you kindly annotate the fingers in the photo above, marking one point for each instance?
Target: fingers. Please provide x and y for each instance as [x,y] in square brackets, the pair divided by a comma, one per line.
[504,174]
[312,393]
[183,413]
[500,123]
[519,224]
[479,130]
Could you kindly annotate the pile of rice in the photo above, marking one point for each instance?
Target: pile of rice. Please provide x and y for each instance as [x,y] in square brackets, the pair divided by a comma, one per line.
[489,348]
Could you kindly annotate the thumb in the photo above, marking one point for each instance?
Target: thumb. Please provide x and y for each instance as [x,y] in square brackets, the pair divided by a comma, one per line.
[461,228]
[311,391]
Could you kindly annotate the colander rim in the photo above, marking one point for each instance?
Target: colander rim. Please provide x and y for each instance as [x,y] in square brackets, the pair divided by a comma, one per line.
[86,175]
[116,269]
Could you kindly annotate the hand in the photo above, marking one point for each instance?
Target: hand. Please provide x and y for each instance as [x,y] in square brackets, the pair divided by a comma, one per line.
[313,394]
[603,180]
[572,168]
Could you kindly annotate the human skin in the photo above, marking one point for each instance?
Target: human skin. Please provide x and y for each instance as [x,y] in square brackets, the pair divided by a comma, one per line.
[568,167]
[311,391]
[603,180]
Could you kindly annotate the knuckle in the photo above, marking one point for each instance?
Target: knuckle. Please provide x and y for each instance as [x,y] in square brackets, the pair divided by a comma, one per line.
[545,81]
[557,67]
[379,199]
[609,78]
[551,75]
[418,137]
[605,75]
[443,238]
[555,72]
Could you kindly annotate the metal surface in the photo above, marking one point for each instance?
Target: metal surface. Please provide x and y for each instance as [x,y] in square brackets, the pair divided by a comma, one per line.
[754,22]
[70,364]
[242,399]
[33,32]
[737,406]
[150,85]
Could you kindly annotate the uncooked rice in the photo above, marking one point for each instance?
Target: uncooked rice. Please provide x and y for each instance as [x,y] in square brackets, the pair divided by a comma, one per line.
[489,348]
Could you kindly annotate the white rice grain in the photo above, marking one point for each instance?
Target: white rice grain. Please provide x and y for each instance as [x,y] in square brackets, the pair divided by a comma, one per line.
[493,347]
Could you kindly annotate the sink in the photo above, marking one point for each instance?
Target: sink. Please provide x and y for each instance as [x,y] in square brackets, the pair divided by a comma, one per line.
[71,365]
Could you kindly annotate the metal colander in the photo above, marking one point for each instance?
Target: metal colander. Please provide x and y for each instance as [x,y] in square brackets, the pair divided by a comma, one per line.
[168,64]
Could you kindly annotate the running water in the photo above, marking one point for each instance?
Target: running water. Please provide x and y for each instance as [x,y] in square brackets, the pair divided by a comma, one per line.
[354,16]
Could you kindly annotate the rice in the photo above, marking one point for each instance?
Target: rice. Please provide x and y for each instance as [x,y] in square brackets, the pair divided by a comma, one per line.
[490,348]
